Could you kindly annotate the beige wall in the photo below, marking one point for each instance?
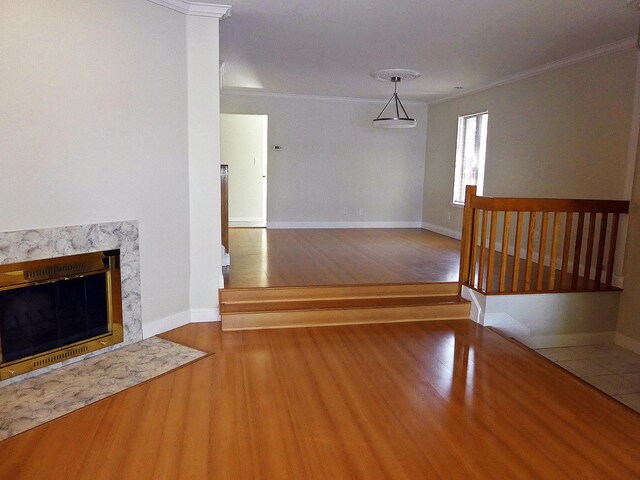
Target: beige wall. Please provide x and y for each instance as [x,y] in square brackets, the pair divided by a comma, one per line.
[332,159]
[563,133]
[93,128]
[629,317]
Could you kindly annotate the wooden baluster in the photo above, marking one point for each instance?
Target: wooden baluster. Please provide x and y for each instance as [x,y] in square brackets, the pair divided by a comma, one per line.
[224,206]
[516,252]
[554,250]
[577,252]
[483,239]
[505,249]
[613,239]
[542,250]
[601,242]
[530,239]
[474,247]
[465,244]
[568,224]
[589,255]
[492,250]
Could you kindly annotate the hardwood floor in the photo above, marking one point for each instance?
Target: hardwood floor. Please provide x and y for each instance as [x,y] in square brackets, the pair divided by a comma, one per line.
[273,258]
[436,400]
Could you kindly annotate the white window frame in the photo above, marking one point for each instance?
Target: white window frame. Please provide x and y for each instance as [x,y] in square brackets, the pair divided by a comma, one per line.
[479,154]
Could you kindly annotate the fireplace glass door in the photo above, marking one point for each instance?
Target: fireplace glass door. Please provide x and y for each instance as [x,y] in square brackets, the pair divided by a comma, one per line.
[40,318]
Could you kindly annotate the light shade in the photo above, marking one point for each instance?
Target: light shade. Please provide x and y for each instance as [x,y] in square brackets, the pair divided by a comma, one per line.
[394,122]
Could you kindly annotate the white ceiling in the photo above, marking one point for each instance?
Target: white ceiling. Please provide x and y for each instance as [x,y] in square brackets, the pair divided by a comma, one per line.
[329,47]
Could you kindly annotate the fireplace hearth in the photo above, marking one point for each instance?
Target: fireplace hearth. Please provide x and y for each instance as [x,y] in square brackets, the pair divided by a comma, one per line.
[55,309]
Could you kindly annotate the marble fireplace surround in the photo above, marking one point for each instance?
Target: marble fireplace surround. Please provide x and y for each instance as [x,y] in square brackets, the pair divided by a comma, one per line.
[37,244]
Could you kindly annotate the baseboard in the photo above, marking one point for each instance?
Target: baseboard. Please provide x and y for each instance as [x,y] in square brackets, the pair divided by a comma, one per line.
[178,320]
[247,225]
[246,222]
[225,258]
[442,230]
[627,342]
[309,225]
[508,325]
[166,323]
[569,340]
[478,303]
[246,219]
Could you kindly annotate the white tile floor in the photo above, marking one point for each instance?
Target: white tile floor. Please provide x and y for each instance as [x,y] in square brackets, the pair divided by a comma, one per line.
[610,368]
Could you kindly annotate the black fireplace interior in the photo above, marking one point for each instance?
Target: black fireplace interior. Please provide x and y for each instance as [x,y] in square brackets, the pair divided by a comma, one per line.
[39,318]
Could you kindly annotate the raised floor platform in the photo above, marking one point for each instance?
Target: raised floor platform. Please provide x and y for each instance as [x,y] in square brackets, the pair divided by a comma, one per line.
[302,278]
[276,258]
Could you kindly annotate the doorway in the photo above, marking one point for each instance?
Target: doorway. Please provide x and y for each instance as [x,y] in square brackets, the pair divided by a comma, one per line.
[244,149]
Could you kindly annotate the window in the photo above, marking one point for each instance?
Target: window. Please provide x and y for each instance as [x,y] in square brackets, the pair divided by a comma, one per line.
[470,153]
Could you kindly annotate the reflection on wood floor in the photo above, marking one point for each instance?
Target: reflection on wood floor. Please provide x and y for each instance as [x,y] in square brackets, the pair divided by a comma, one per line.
[269,258]
[426,400]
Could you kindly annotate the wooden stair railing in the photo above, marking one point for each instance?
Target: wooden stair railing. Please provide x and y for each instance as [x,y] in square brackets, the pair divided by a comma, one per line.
[558,245]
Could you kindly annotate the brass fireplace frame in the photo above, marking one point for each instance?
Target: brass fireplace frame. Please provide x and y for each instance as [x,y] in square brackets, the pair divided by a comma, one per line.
[38,272]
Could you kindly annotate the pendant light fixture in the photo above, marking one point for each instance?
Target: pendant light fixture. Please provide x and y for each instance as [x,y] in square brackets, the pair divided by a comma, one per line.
[395,75]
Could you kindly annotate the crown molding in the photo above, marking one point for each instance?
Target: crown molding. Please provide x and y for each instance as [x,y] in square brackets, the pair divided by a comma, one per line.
[242,92]
[577,58]
[198,9]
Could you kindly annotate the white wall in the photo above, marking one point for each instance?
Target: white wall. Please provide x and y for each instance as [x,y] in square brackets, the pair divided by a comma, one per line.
[563,133]
[204,167]
[550,320]
[242,147]
[93,128]
[332,159]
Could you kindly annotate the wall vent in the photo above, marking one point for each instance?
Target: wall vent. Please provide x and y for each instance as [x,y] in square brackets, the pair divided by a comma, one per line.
[55,270]
[72,352]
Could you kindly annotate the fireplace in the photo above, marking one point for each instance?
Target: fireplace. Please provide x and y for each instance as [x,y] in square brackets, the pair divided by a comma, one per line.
[55,309]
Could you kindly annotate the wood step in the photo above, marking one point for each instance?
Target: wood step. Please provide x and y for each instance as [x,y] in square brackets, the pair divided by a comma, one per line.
[351,316]
[284,307]
[239,295]
[335,303]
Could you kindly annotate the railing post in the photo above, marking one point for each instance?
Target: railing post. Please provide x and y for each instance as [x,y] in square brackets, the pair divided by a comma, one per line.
[467,243]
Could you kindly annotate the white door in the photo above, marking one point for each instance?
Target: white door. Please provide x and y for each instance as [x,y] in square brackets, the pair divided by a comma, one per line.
[244,149]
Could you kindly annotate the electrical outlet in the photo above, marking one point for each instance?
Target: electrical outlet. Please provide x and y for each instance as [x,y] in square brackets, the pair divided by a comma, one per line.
[361,211]
[345,211]
[449,216]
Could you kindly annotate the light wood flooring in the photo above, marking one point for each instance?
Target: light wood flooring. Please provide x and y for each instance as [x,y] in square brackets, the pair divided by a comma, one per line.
[435,400]
[276,258]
